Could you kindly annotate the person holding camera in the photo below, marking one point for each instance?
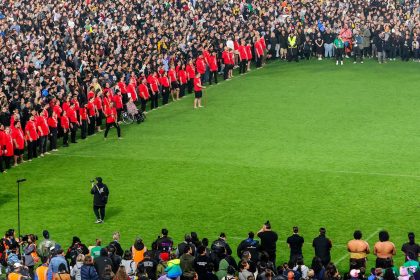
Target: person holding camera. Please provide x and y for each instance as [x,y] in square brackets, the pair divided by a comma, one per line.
[100,199]
[268,241]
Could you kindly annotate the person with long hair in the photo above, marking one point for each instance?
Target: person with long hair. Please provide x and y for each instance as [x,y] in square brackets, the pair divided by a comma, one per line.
[121,274]
[30,254]
[318,268]
[88,271]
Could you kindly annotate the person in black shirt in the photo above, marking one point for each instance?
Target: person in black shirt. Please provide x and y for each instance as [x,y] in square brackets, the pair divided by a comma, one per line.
[268,241]
[295,243]
[411,246]
[147,266]
[201,262]
[164,243]
[100,193]
[322,246]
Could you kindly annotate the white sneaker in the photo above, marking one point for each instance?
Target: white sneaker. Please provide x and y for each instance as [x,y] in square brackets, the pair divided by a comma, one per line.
[336,63]
[341,63]
[361,62]
[354,62]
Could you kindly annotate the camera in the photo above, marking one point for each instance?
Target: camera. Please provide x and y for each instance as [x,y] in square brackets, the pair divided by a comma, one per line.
[25,237]
[92,181]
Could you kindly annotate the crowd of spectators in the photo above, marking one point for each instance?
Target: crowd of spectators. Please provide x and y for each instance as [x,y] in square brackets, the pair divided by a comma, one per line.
[65,63]
[194,258]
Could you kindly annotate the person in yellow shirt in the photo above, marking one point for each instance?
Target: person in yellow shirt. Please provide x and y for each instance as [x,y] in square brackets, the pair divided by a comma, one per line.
[16,274]
[359,249]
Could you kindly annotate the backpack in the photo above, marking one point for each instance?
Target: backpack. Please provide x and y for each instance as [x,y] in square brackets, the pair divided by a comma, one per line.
[74,252]
[34,255]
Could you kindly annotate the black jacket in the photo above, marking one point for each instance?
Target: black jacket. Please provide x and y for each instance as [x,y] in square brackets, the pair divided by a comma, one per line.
[100,194]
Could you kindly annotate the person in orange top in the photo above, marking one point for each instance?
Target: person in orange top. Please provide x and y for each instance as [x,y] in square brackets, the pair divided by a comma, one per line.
[198,87]
[16,274]
[74,123]
[118,100]
[41,273]
[249,54]
[384,250]
[243,58]
[18,141]
[174,83]
[100,111]
[143,94]
[31,137]
[359,249]
[111,120]
[53,126]
[83,121]
[65,125]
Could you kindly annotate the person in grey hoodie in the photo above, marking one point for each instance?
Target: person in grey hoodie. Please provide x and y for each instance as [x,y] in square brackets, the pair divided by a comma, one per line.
[244,272]
[30,248]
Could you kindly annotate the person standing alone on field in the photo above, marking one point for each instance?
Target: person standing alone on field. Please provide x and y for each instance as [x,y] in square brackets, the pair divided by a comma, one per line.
[100,193]
[339,50]
[322,246]
[268,241]
[198,91]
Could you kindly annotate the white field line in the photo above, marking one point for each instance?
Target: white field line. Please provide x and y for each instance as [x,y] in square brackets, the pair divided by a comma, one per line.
[346,255]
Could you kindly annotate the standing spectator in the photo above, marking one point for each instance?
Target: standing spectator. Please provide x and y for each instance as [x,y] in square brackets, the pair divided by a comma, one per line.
[30,253]
[295,242]
[76,270]
[65,125]
[292,44]
[328,44]
[18,142]
[102,262]
[359,249]
[187,259]
[43,131]
[198,91]
[111,120]
[244,272]
[380,47]
[116,243]
[384,250]
[56,261]
[322,246]
[201,262]
[148,266]
[31,137]
[138,250]
[77,248]
[44,247]
[411,246]
[88,271]
[268,241]
[129,264]
[319,42]
[357,44]
[52,125]
[8,151]
[251,245]
[339,50]
[100,194]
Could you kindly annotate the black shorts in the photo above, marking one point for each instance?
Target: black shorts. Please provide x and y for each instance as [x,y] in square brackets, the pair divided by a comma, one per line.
[174,85]
[18,152]
[198,94]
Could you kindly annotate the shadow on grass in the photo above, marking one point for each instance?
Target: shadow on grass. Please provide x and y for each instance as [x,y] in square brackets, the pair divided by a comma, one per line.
[112,211]
[6,197]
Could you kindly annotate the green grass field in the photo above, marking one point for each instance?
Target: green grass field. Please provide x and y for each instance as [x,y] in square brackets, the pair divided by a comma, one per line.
[308,144]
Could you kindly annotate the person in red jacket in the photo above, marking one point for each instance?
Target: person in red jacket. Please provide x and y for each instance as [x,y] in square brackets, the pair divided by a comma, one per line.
[83,121]
[153,82]
[173,79]
[74,122]
[191,75]
[143,94]
[212,60]
[243,58]
[118,100]
[164,81]
[31,137]
[53,127]
[200,65]
[92,113]
[123,89]
[198,91]
[43,132]
[100,111]
[65,125]
[183,79]
[111,120]
[228,61]
[18,142]
[8,151]
[131,90]
[1,148]
[249,54]
[259,52]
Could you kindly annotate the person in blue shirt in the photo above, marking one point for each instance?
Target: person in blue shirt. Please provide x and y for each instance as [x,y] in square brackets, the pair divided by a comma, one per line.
[357,47]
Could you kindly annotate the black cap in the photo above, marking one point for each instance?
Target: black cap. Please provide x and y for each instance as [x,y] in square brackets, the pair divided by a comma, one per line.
[46,234]
[99,179]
